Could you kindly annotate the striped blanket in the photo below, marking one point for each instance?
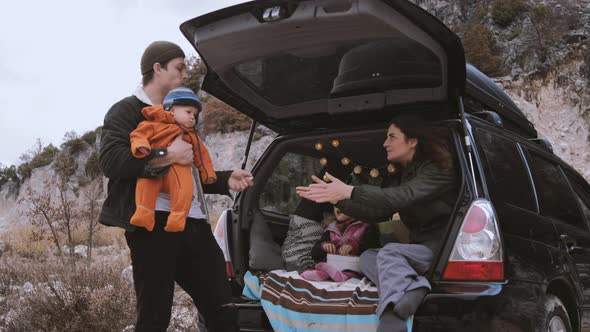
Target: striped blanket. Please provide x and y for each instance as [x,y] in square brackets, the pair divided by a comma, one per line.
[295,304]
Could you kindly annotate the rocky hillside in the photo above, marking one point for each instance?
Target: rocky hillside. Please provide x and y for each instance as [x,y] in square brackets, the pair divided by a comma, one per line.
[539,51]
[561,113]
[226,151]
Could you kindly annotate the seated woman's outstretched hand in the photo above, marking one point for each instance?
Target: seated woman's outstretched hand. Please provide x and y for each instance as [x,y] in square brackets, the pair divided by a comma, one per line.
[322,192]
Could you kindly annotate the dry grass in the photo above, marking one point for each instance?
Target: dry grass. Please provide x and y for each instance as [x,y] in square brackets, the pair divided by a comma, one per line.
[41,291]
[26,241]
[109,236]
[57,295]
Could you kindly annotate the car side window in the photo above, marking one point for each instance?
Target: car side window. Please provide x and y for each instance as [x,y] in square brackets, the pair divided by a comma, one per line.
[556,200]
[506,175]
[583,196]
[279,191]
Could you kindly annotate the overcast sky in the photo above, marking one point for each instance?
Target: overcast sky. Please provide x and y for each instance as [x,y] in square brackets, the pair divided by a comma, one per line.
[63,63]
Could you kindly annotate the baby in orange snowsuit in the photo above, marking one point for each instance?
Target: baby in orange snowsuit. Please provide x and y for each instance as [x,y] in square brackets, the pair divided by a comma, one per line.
[178,115]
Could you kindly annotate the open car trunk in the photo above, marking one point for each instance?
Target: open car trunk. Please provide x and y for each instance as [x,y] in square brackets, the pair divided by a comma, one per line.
[290,161]
[267,208]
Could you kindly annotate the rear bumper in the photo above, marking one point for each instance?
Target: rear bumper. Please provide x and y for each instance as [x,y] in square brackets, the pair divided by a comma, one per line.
[510,307]
[251,318]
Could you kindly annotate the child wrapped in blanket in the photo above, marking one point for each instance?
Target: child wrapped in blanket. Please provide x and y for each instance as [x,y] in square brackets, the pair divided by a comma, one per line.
[345,236]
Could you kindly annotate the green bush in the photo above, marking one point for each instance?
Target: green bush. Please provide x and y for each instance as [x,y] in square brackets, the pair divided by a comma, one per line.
[43,158]
[24,171]
[89,137]
[8,174]
[515,33]
[74,145]
[65,166]
[504,12]
[540,13]
[92,168]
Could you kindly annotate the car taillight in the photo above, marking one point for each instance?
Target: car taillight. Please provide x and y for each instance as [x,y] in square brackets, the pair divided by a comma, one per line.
[477,252]
[220,233]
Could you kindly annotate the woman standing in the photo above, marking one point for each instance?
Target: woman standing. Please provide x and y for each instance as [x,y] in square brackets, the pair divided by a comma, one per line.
[424,193]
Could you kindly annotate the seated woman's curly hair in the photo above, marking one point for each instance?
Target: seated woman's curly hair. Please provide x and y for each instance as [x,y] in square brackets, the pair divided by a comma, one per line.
[433,142]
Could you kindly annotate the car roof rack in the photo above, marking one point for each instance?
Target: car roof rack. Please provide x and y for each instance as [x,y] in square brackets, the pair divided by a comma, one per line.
[491,117]
[543,142]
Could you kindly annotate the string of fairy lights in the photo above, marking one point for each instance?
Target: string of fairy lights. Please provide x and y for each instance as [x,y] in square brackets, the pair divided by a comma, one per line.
[357,168]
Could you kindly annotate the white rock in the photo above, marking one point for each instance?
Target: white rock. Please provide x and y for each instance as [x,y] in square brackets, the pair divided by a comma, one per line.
[27,287]
[128,328]
[81,250]
[127,274]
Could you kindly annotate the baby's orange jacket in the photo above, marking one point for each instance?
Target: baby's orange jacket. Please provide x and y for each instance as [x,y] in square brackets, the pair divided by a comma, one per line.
[159,130]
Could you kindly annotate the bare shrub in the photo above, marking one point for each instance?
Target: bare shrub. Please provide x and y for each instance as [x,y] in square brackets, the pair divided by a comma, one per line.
[220,117]
[196,71]
[42,213]
[479,46]
[54,208]
[43,292]
[70,298]
[93,197]
[548,27]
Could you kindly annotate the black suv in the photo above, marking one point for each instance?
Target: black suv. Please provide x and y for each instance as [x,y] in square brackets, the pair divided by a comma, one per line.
[324,71]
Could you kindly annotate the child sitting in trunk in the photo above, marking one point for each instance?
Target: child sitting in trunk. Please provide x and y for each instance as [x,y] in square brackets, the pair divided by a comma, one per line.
[346,237]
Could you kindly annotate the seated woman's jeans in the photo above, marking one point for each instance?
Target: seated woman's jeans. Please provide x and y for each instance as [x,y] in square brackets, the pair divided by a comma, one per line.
[396,269]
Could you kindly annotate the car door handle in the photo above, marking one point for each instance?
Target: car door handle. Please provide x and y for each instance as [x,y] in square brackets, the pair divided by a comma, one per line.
[569,243]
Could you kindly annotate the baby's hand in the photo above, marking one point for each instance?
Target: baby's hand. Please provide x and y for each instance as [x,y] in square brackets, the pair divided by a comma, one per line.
[330,248]
[143,150]
[345,250]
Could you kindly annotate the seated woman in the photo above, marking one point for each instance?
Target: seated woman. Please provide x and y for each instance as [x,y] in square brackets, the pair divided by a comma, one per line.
[346,237]
[424,194]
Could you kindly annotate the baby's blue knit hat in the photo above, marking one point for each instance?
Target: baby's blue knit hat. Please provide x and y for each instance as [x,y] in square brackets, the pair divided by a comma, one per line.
[182,96]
